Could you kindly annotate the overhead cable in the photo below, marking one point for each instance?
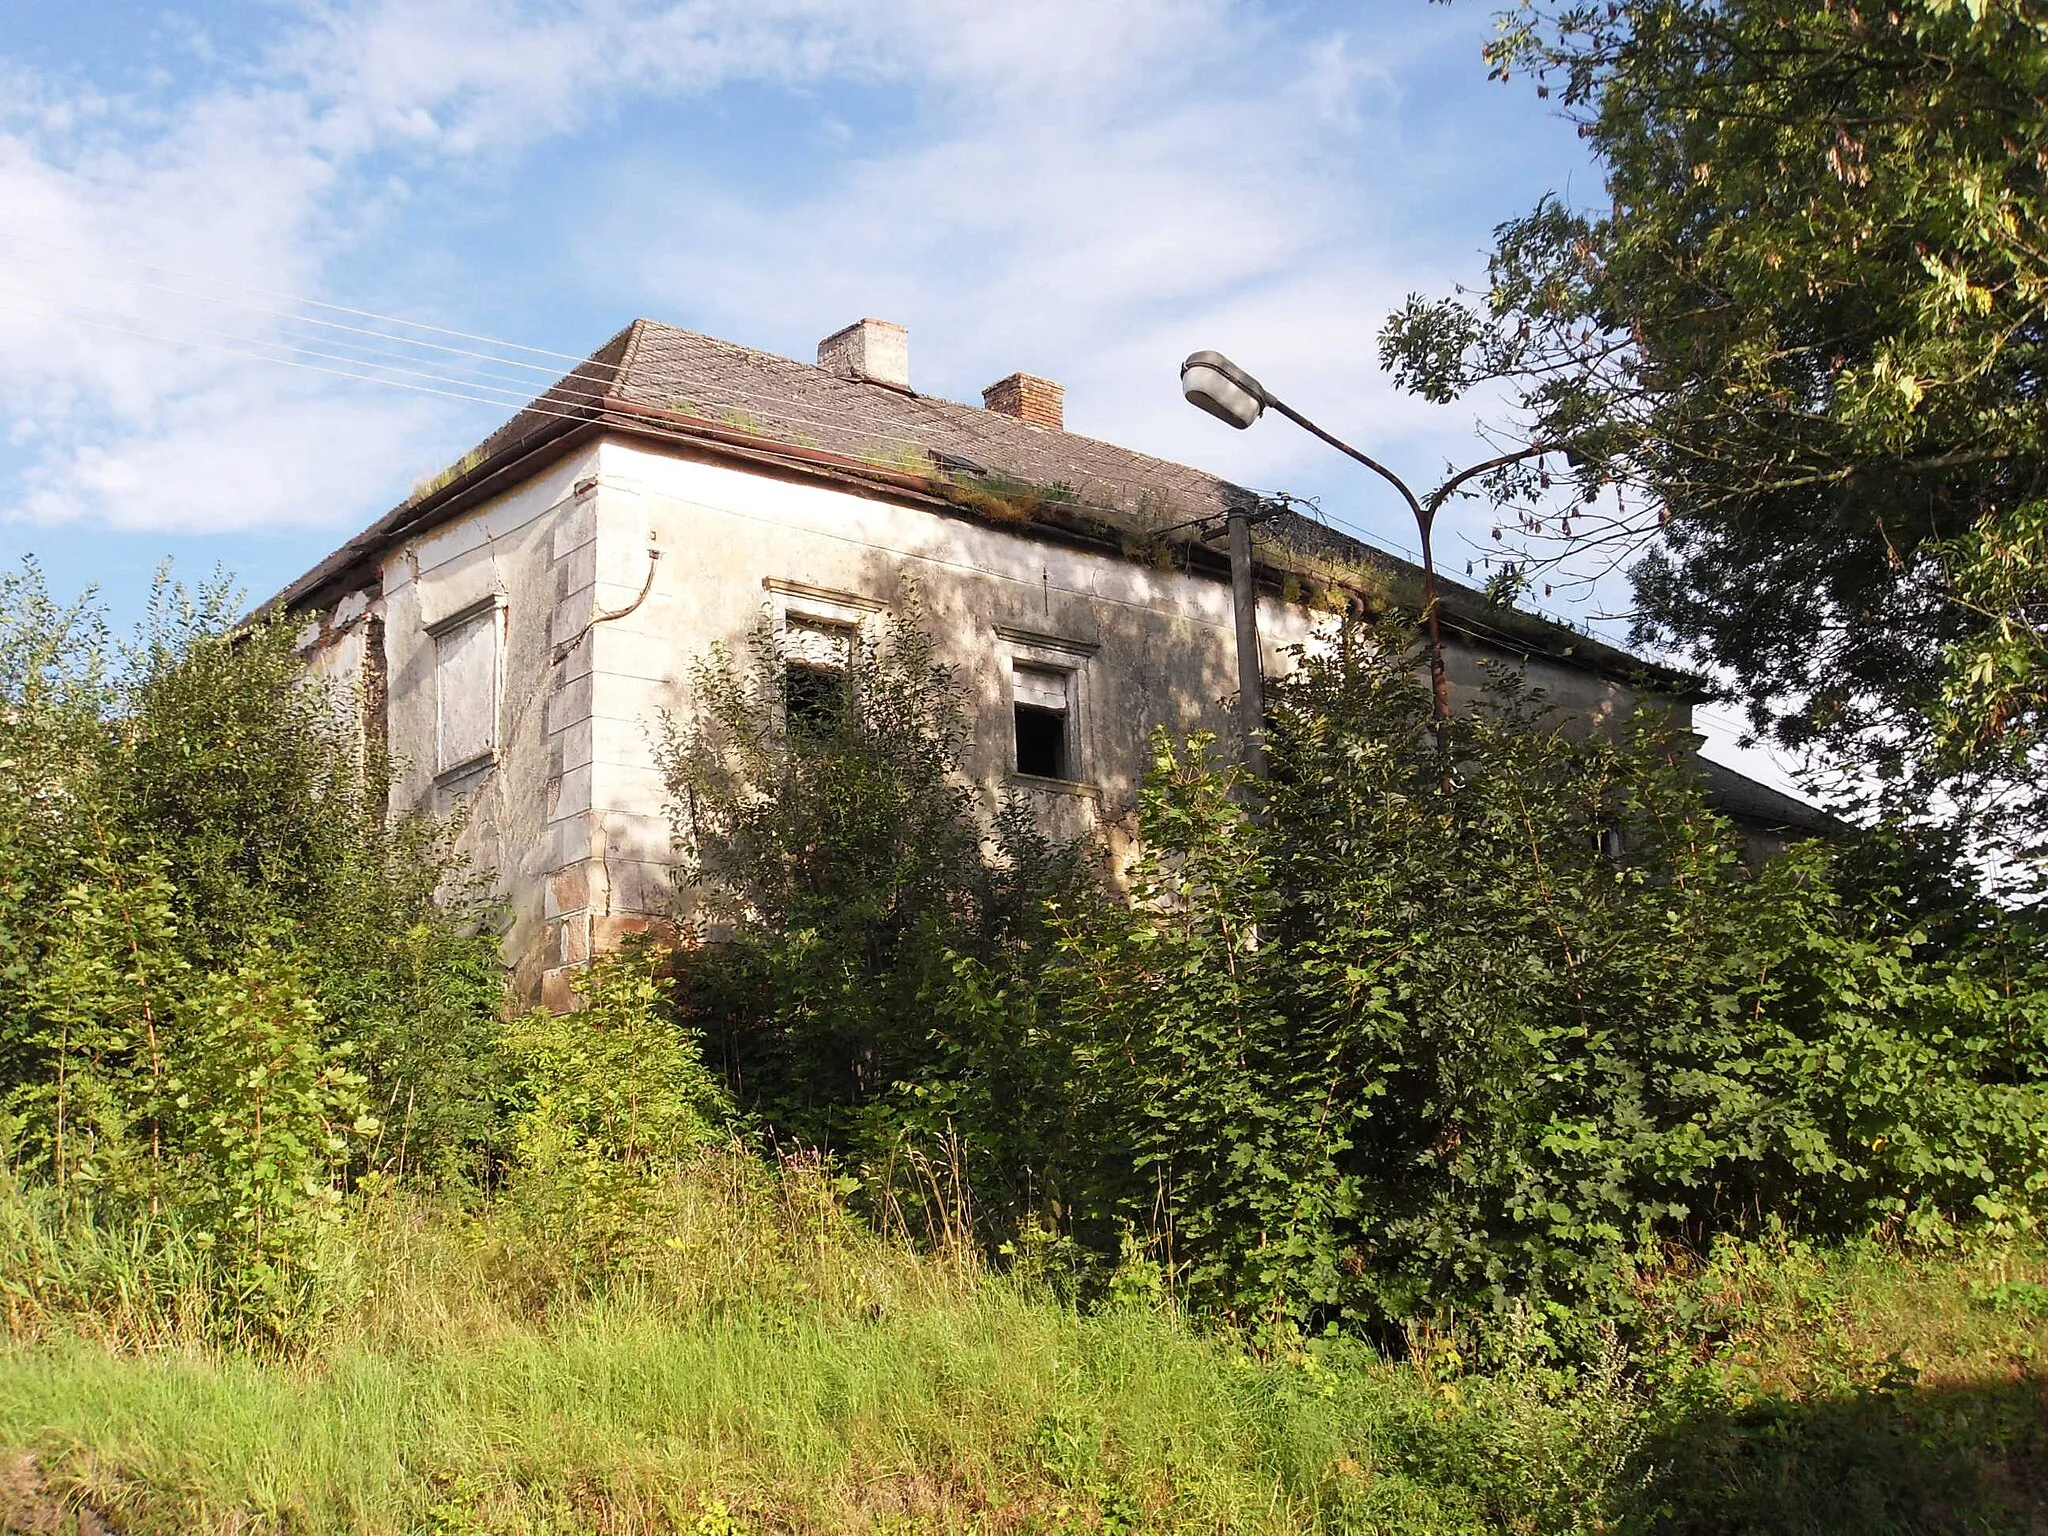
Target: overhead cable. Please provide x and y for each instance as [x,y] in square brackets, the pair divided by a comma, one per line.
[511,396]
[272,293]
[426,375]
[546,370]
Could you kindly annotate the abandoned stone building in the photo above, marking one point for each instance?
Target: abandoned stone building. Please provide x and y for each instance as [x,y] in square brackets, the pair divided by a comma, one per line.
[515,631]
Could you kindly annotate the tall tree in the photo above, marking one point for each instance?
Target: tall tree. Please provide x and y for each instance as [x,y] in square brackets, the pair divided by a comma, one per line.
[1800,361]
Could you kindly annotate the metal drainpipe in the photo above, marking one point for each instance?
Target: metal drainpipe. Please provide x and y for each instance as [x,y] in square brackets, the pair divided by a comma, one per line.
[1244,595]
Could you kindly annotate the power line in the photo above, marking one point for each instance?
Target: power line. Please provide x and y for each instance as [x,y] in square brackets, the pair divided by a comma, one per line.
[731,396]
[283,362]
[737,399]
[468,385]
[546,370]
[597,411]
[511,396]
[272,293]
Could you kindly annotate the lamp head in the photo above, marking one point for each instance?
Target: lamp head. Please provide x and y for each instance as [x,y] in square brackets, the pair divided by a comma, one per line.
[1216,384]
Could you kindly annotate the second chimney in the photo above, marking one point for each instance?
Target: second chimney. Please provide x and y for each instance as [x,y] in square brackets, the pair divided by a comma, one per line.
[1028,398]
[875,350]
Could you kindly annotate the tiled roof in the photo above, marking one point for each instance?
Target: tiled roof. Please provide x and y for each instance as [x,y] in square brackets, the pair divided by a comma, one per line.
[726,385]
[874,420]
[1735,794]
[653,378]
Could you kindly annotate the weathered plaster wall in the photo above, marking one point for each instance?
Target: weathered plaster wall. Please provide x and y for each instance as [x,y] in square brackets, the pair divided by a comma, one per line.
[1144,647]
[335,646]
[529,559]
[569,812]
[1582,701]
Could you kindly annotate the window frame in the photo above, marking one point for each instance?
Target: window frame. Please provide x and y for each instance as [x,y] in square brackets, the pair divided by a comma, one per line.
[821,710]
[493,610]
[1060,730]
[818,607]
[1050,653]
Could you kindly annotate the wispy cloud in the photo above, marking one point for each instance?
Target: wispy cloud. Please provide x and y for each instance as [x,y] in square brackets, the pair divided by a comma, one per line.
[1096,192]
[270,180]
[1082,189]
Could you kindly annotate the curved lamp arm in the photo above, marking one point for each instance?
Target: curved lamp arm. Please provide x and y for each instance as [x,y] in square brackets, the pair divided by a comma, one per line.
[1215,384]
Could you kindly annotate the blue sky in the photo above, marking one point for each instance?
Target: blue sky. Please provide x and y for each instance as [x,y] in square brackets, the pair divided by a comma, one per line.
[1084,189]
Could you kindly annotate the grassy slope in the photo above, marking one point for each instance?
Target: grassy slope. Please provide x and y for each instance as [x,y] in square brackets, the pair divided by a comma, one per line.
[993,1412]
[774,1367]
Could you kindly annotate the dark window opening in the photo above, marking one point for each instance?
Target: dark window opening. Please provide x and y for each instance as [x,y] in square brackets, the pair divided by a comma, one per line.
[1042,741]
[814,698]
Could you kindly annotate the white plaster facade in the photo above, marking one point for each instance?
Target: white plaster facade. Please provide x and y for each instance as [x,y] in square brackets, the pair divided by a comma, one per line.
[518,648]
[568,807]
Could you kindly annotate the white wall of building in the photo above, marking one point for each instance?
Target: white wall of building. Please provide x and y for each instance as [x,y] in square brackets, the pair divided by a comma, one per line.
[567,808]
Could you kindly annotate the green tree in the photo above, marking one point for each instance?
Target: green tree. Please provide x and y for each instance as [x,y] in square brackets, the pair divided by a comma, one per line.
[1799,360]
[265,1105]
[1392,1035]
[225,964]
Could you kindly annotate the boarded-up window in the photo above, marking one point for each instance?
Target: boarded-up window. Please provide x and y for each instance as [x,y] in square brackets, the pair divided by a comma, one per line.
[817,656]
[817,642]
[1042,699]
[466,686]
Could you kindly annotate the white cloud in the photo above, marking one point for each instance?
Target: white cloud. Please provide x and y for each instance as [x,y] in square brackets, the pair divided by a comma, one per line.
[263,181]
[1336,76]
[1091,190]
[1100,191]
[206,463]
[228,187]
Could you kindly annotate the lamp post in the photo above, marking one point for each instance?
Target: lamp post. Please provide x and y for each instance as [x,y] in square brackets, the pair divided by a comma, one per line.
[1233,396]
[1216,384]
[1244,601]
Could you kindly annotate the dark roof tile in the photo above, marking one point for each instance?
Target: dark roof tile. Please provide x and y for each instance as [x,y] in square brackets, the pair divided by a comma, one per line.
[738,390]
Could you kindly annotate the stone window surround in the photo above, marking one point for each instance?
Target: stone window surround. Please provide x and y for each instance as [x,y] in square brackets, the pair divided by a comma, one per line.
[798,604]
[1035,651]
[819,605]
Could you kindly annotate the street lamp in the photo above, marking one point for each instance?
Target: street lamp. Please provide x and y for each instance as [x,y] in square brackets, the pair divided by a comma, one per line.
[1217,385]
[1230,394]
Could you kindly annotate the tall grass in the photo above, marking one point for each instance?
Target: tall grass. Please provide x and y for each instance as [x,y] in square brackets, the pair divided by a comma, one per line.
[137,1283]
[757,1351]
[995,1411]
[756,1359]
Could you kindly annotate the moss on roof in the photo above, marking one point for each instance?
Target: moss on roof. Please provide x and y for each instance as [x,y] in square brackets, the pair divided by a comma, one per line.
[659,380]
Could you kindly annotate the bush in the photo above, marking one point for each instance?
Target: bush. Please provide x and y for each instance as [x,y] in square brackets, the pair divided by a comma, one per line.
[1407,1029]
[266,1111]
[225,963]
[880,992]
[609,1100]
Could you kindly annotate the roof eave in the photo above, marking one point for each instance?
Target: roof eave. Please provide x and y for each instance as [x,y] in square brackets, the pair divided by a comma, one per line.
[335,573]
[554,437]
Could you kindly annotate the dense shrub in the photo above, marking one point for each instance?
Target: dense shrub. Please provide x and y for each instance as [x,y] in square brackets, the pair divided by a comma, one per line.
[1409,1028]
[1412,1026]
[230,984]
[608,1100]
[880,988]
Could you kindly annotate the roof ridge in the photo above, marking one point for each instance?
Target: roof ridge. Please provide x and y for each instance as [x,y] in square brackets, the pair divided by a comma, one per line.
[630,357]
[927,396]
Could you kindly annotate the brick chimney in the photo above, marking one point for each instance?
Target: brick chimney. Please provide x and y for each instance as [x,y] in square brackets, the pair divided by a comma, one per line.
[1028,398]
[877,351]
